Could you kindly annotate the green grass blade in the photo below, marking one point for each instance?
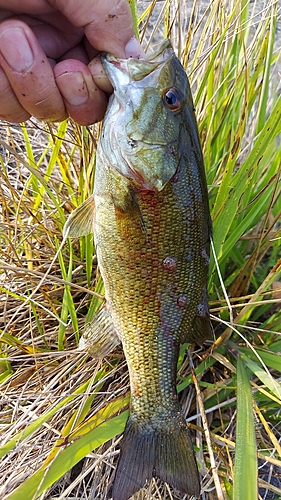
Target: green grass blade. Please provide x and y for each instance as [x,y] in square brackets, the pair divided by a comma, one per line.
[70,456]
[89,253]
[261,113]
[30,429]
[68,306]
[76,426]
[271,359]
[263,376]
[133,5]
[96,301]
[5,368]
[245,483]
[242,179]
[52,161]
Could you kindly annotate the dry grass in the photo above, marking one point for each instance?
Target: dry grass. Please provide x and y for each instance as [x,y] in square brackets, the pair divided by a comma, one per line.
[50,389]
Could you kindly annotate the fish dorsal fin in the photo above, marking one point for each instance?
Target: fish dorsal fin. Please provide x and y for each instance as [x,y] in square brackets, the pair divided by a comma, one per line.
[81,220]
[99,337]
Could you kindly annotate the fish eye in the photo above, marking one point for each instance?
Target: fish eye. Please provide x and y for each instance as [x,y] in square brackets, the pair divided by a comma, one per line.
[172,98]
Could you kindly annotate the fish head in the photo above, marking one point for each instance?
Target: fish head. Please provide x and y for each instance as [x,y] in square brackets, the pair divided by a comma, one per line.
[144,118]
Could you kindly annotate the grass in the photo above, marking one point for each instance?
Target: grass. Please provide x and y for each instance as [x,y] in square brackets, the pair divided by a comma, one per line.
[62,412]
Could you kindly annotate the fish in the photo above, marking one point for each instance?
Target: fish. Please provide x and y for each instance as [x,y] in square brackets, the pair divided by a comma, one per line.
[149,213]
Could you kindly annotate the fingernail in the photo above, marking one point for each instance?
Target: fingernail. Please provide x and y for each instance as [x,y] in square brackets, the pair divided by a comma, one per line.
[134,49]
[15,49]
[73,88]
[98,74]
[103,83]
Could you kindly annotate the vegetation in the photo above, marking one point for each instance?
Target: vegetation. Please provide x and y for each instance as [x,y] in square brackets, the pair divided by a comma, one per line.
[62,411]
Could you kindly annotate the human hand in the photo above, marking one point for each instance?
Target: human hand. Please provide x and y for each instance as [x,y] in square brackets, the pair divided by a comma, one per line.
[49,62]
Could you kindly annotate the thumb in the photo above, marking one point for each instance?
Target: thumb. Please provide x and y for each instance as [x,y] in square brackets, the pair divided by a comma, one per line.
[107,24]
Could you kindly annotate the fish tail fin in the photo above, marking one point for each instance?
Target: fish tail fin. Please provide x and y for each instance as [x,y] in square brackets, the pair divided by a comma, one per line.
[148,452]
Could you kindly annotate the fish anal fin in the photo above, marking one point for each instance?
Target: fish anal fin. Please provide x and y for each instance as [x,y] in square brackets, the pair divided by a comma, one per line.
[200,330]
[148,452]
[99,337]
[81,220]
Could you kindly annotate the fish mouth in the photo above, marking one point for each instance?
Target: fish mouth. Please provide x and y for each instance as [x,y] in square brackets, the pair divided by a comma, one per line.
[137,69]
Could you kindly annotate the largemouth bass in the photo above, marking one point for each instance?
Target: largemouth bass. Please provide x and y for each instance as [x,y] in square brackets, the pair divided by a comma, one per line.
[151,222]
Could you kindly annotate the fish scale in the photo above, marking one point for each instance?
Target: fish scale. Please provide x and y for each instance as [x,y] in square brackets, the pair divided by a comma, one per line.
[152,234]
[138,273]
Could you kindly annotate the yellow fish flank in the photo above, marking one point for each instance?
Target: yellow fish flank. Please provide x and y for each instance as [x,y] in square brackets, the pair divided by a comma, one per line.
[151,222]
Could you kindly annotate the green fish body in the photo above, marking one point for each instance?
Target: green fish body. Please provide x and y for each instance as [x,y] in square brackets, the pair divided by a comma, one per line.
[152,234]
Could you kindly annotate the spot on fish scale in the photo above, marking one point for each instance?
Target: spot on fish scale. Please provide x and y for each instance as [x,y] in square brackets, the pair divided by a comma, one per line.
[169,264]
[144,271]
[201,311]
[182,301]
[205,257]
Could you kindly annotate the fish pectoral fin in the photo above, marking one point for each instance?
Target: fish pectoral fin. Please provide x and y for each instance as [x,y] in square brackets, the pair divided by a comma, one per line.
[148,452]
[130,211]
[99,337]
[81,220]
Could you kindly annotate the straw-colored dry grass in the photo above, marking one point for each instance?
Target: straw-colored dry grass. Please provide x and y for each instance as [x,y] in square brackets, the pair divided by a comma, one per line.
[52,394]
